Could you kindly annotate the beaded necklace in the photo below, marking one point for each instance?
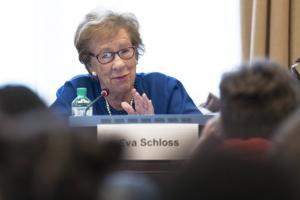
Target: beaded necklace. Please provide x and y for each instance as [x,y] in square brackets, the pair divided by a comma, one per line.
[108,106]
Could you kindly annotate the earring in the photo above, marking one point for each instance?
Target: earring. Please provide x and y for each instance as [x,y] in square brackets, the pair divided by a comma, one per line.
[94,74]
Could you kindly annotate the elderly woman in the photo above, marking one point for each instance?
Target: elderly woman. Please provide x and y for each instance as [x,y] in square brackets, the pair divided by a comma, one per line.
[109,45]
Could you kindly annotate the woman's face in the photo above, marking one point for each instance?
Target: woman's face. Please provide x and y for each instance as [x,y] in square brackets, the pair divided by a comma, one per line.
[118,75]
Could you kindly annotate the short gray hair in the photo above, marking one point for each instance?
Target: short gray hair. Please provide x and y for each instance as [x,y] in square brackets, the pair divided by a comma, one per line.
[105,24]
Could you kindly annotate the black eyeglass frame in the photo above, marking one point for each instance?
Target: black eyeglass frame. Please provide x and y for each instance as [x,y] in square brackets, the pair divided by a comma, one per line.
[114,54]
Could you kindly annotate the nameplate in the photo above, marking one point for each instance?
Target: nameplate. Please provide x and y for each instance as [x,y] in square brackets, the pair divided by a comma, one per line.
[152,141]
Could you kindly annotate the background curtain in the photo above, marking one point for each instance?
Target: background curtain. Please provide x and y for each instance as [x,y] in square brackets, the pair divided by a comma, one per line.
[270,28]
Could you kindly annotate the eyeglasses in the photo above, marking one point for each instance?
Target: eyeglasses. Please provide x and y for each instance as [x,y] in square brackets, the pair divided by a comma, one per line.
[106,56]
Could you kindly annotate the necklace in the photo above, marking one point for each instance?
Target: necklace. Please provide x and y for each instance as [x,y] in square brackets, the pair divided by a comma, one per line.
[108,106]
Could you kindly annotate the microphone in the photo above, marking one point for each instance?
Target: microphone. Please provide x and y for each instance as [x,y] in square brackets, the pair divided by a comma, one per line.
[103,93]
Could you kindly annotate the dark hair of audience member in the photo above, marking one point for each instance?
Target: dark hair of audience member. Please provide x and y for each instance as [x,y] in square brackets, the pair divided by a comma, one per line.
[286,148]
[221,175]
[18,99]
[256,98]
[42,158]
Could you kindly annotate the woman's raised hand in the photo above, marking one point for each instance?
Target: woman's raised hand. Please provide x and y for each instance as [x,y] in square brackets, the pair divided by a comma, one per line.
[142,104]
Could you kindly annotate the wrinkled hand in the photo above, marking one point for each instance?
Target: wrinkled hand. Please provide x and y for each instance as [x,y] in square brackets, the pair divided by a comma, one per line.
[142,105]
